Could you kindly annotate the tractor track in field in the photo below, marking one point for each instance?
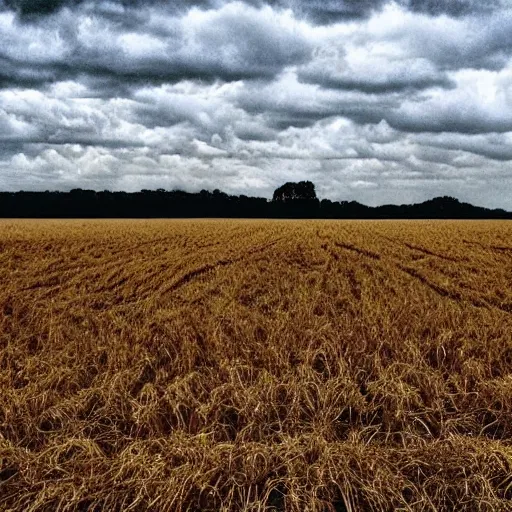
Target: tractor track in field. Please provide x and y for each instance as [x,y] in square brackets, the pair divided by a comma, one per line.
[113,260]
[191,275]
[455,295]
[501,248]
[495,248]
[421,249]
[438,289]
[109,260]
[358,250]
[204,269]
[431,253]
[119,278]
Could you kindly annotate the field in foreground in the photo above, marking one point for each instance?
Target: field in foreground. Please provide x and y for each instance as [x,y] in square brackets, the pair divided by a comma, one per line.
[255,365]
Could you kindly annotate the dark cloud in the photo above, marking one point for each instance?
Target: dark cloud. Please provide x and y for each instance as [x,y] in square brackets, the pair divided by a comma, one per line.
[13,74]
[452,7]
[492,146]
[331,11]
[376,84]
[450,117]
[30,10]
[454,123]
[35,8]
[318,11]
[303,117]
[233,43]
[483,41]
[290,103]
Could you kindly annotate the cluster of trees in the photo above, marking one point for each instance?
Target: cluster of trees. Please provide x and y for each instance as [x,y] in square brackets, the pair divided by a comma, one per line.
[291,200]
[145,204]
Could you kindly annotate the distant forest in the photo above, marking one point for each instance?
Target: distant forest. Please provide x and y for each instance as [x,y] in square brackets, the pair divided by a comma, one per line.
[290,201]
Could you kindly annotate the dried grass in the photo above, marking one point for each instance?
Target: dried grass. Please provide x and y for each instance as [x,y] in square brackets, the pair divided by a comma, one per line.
[255,365]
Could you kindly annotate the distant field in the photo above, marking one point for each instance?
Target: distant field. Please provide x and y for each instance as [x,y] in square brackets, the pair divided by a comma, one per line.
[179,365]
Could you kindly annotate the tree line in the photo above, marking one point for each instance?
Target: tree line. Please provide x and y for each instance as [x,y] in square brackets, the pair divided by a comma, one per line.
[291,200]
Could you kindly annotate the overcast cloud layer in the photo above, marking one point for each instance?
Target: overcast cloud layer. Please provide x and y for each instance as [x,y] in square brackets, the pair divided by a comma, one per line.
[381,102]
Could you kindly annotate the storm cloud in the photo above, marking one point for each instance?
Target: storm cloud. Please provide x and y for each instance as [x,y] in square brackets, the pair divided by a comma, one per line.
[378,101]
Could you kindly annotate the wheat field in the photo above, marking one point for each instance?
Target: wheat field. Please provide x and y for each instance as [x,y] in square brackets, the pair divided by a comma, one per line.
[207,365]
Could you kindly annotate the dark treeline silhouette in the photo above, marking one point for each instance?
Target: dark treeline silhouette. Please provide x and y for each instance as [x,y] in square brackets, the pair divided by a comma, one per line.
[292,200]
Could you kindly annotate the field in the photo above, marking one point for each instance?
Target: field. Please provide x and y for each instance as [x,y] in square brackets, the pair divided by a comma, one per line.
[173,365]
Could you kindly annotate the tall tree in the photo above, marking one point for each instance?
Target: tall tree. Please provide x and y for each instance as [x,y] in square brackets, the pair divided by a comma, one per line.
[291,191]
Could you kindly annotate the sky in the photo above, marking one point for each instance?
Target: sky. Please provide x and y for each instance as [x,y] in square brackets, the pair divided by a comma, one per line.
[375,101]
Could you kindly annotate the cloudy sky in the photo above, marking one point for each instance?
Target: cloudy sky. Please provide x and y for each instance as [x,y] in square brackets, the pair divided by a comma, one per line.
[381,102]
